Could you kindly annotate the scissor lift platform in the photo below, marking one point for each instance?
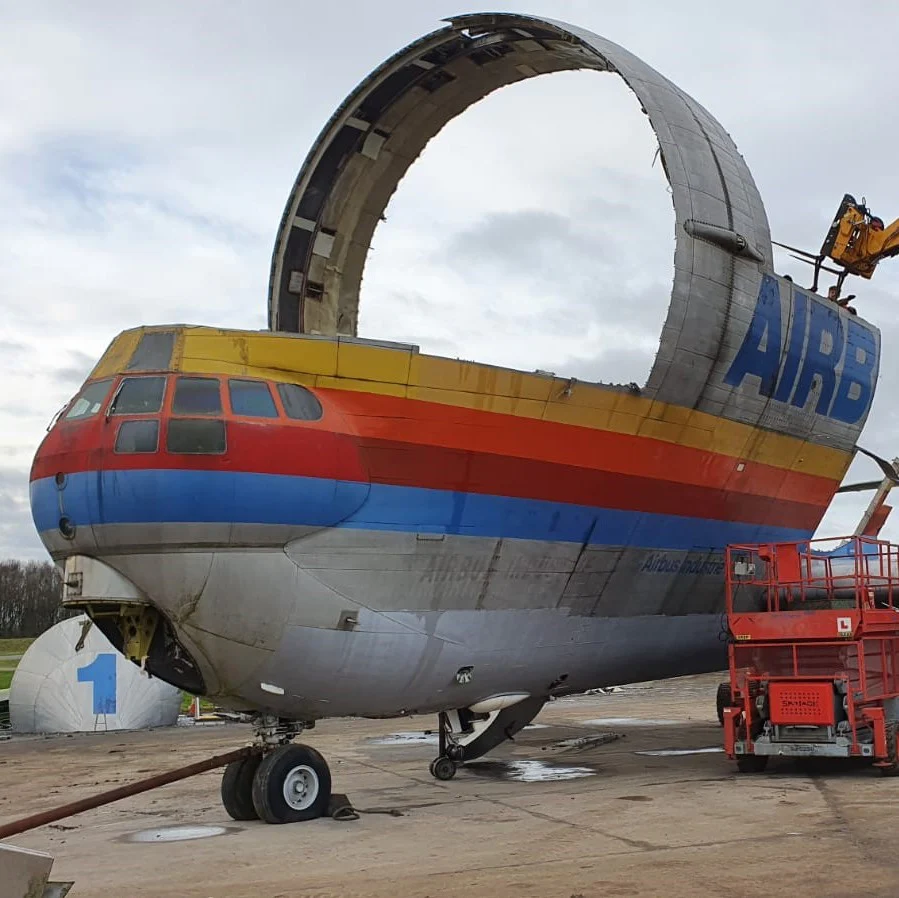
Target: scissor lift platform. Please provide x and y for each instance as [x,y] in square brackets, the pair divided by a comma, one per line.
[813,652]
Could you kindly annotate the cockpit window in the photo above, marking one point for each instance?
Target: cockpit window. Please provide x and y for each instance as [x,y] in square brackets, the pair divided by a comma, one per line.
[299,403]
[197,396]
[153,353]
[251,398]
[138,436]
[196,436]
[89,401]
[139,396]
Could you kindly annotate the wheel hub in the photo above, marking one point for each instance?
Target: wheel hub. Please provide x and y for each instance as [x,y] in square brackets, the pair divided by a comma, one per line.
[300,787]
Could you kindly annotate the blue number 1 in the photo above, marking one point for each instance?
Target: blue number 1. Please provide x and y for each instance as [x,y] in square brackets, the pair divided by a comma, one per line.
[101,672]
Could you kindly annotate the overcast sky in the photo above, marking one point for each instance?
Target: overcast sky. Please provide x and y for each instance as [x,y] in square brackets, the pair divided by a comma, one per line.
[145,158]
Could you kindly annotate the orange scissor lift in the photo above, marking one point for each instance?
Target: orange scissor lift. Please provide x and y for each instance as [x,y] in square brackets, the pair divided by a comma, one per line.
[813,652]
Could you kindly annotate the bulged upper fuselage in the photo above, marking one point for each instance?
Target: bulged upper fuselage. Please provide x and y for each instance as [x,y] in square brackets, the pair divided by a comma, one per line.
[340,526]
[321,525]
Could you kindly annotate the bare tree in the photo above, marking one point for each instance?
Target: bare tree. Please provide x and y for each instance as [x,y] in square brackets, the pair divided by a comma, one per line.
[30,596]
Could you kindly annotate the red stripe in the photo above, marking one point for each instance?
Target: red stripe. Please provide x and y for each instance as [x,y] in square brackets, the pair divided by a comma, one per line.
[447,469]
[313,451]
[265,448]
[427,424]
[397,420]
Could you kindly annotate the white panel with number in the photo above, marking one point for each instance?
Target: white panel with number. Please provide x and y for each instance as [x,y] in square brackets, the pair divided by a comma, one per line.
[72,680]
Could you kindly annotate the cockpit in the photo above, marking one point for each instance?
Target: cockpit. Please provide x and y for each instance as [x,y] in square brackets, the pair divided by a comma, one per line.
[185,414]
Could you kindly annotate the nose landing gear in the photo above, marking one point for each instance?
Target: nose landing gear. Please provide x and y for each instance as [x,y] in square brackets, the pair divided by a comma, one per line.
[282,783]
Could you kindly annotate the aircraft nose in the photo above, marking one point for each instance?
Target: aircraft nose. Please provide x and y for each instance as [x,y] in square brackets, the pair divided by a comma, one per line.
[53,510]
[148,460]
[62,491]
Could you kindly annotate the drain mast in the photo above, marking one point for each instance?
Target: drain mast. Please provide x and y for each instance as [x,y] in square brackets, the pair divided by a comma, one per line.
[813,652]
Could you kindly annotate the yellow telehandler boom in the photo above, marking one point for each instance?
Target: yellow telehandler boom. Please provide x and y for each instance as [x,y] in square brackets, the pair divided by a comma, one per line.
[858,240]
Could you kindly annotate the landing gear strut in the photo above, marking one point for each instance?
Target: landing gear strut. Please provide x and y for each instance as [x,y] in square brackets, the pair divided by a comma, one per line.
[444,766]
[282,782]
[469,733]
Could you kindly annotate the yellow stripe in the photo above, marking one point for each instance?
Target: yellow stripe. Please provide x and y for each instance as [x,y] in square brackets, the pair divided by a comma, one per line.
[117,354]
[395,371]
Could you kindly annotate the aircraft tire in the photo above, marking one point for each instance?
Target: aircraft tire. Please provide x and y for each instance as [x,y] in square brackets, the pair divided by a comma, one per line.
[237,788]
[443,768]
[292,783]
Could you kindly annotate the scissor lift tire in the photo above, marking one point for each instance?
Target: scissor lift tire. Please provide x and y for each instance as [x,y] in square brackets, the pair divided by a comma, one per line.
[752,763]
[723,698]
[892,733]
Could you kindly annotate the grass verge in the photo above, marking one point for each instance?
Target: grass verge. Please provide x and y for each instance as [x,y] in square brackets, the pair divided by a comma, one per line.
[187,702]
[14,646]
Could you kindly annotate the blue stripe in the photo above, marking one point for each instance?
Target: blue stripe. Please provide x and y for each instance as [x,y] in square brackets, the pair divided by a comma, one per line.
[170,496]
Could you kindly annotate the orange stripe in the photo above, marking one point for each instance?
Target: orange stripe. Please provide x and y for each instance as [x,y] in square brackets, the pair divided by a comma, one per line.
[429,424]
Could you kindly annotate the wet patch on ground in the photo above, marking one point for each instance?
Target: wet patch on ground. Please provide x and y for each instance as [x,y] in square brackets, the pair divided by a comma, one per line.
[673,752]
[527,771]
[419,738]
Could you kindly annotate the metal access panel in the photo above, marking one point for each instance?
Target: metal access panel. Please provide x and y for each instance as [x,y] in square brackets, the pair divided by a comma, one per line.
[802,704]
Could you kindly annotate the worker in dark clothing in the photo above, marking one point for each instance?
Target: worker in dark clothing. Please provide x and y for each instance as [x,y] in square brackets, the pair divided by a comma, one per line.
[833,294]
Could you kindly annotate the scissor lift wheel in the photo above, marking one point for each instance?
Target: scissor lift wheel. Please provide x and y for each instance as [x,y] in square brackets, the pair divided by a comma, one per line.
[892,734]
[752,763]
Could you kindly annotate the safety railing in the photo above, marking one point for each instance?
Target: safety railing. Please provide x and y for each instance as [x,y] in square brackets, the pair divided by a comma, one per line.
[860,573]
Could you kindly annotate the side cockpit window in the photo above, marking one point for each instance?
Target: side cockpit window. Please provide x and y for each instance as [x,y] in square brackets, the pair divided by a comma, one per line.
[139,396]
[193,435]
[138,436]
[89,401]
[252,399]
[299,403]
[197,396]
[196,436]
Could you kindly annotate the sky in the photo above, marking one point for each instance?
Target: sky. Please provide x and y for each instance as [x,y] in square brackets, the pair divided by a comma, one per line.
[147,151]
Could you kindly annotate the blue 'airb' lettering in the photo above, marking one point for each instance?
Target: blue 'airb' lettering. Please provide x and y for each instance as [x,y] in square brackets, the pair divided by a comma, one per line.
[794,353]
[760,352]
[858,372]
[822,351]
[816,344]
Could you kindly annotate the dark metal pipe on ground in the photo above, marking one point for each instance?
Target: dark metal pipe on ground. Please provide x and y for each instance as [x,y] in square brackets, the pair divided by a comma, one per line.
[145,785]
